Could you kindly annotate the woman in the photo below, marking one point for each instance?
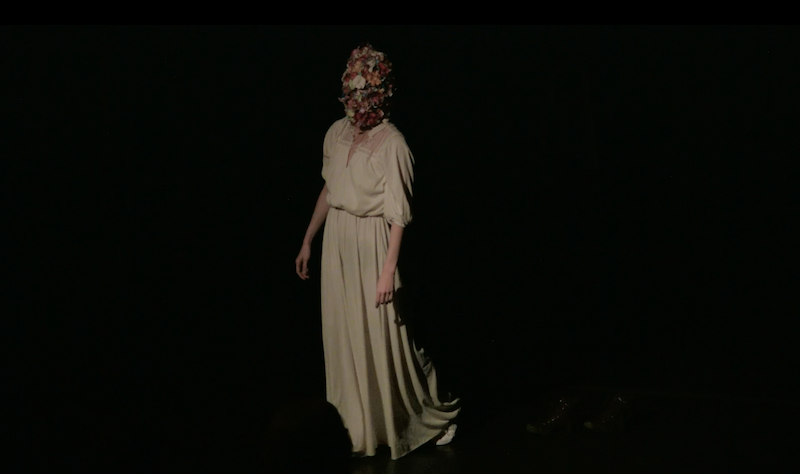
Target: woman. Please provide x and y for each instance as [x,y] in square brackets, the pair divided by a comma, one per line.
[382,384]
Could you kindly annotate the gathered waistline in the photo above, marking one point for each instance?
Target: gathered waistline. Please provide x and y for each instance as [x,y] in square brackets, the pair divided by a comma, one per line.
[356,215]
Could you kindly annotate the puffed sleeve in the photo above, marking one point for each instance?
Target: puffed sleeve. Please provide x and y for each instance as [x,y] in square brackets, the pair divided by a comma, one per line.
[399,172]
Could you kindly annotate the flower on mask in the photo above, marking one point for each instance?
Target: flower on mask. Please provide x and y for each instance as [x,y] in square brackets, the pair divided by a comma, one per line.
[358,82]
[366,84]
[374,79]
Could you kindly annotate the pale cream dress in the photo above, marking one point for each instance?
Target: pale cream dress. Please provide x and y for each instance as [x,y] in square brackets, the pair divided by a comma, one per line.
[382,384]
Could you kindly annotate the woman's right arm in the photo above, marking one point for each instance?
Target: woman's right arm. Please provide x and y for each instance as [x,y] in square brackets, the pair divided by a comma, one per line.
[320,213]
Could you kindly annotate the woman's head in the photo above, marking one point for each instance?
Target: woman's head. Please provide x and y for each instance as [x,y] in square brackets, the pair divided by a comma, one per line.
[367,87]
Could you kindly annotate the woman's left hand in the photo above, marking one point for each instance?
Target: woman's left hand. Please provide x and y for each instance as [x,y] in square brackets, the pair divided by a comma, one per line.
[385,289]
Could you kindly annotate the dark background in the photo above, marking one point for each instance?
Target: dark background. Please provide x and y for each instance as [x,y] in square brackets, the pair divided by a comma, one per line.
[603,206]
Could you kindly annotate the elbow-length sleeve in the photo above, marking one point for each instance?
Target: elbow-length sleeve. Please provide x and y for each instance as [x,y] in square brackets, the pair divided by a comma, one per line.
[399,172]
[327,149]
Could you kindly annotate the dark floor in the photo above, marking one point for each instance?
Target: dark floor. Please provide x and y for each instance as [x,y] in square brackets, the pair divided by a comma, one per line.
[720,411]
[676,433]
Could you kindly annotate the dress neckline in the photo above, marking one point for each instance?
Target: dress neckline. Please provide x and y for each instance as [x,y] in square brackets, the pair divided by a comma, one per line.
[352,149]
[350,136]
[350,130]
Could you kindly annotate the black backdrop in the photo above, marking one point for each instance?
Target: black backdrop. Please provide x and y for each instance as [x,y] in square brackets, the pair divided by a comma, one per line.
[594,205]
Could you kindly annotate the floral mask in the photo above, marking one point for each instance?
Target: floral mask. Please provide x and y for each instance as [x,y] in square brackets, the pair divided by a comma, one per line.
[366,87]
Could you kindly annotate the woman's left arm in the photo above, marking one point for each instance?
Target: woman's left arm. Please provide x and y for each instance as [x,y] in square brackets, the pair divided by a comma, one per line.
[399,167]
[395,238]
[385,291]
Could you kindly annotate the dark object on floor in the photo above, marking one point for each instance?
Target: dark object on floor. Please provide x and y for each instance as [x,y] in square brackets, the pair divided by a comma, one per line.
[307,436]
[560,418]
[615,417]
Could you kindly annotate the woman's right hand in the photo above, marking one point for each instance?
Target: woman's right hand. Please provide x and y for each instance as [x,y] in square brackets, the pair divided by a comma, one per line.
[301,262]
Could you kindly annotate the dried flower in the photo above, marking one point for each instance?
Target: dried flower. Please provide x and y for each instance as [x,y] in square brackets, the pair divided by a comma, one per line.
[358,82]
[366,85]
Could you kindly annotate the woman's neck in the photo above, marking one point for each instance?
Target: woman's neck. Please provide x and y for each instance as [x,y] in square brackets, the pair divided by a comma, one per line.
[358,133]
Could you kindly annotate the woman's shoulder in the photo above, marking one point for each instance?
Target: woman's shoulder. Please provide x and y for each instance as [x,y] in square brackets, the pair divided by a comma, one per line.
[392,128]
[389,133]
[340,124]
[337,127]
[394,135]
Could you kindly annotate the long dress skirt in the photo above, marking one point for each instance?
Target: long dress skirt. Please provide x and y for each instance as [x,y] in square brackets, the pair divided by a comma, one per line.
[382,384]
